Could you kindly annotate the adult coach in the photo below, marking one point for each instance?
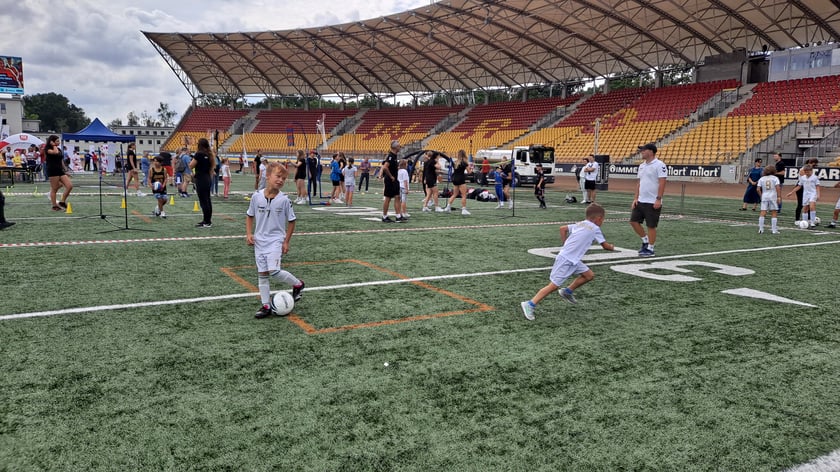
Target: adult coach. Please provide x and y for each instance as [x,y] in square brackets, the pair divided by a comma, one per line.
[647,203]
[388,172]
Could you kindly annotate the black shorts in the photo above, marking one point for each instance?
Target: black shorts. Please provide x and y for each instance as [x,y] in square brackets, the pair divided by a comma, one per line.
[392,188]
[647,213]
[459,180]
[589,185]
[431,183]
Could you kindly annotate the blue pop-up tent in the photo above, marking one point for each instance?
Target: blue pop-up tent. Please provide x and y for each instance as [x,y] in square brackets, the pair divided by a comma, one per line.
[96,131]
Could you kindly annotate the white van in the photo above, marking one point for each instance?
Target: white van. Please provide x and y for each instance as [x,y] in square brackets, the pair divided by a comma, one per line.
[526,160]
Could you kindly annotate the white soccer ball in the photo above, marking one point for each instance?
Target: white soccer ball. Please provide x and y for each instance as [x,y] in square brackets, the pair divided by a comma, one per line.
[157,186]
[803,224]
[816,220]
[282,303]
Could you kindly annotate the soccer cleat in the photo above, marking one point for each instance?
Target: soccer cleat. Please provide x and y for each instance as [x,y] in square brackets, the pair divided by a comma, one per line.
[6,224]
[162,214]
[204,225]
[386,219]
[155,212]
[831,225]
[644,248]
[760,231]
[62,205]
[646,252]
[568,295]
[464,212]
[400,219]
[297,291]
[263,312]
[528,310]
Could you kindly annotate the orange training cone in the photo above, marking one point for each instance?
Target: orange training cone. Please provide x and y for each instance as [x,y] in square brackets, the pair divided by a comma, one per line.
[69,210]
[195,207]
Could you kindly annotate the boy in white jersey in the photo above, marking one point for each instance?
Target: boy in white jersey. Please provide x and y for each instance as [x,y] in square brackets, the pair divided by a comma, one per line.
[269,225]
[576,240]
[770,190]
[810,185]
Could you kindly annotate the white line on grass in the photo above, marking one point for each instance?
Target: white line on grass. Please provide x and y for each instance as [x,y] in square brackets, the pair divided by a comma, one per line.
[68,311]
[827,463]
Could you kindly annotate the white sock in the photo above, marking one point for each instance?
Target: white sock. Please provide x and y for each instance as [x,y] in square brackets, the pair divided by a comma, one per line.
[761,223]
[774,223]
[645,239]
[650,246]
[265,289]
[285,277]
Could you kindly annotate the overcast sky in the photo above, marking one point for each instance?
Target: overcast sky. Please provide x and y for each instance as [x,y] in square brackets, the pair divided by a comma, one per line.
[92,51]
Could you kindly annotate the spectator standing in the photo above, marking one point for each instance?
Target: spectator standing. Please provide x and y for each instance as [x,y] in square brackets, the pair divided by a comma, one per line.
[780,169]
[647,203]
[364,174]
[257,161]
[300,177]
[313,166]
[3,222]
[485,169]
[392,188]
[590,176]
[751,196]
[132,169]
[539,186]
[203,166]
[431,169]
[335,178]
[186,173]
[56,172]
[225,173]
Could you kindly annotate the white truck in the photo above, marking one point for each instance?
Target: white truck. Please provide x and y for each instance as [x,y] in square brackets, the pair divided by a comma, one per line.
[526,158]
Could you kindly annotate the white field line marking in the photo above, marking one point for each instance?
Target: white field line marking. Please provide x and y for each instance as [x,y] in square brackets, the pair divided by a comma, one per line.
[827,463]
[68,311]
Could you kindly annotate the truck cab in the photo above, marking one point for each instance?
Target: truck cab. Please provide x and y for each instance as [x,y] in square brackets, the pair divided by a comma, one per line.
[526,159]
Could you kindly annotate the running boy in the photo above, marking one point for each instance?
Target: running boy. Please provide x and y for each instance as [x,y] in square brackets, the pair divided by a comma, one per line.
[269,225]
[576,240]
[810,184]
[770,191]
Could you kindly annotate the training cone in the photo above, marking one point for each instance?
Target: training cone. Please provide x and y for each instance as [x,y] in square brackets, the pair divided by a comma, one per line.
[122,205]
[69,210]
[172,199]
[195,207]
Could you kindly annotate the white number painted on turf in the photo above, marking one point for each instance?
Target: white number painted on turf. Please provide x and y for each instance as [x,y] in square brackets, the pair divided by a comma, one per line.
[595,253]
[642,270]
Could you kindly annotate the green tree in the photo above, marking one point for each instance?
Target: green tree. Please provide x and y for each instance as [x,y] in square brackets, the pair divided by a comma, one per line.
[132,119]
[115,122]
[166,115]
[55,111]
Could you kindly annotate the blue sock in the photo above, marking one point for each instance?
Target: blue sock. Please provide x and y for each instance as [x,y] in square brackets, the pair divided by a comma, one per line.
[531,303]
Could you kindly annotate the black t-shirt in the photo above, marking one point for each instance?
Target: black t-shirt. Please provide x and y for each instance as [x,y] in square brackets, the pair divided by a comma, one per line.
[508,171]
[430,171]
[780,167]
[393,167]
[203,164]
[131,159]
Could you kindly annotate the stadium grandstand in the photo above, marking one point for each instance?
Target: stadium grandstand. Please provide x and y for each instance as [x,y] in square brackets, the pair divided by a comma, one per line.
[709,82]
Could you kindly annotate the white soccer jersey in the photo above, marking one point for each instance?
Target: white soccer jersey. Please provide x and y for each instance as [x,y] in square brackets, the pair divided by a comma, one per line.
[579,239]
[270,219]
[809,187]
[592,174]
[768,184]
[649,175]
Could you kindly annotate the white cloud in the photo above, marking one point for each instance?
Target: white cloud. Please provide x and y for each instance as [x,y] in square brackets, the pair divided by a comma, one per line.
[93,51]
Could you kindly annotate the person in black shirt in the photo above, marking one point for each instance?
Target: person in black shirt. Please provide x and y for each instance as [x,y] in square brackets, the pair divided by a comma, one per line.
[392,187]
[203,165]
[780,171]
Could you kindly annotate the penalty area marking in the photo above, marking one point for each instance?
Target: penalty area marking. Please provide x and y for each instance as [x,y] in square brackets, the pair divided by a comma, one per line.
[827,463]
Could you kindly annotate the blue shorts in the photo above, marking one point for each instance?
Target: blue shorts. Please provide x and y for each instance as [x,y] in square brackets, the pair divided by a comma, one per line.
[161,196]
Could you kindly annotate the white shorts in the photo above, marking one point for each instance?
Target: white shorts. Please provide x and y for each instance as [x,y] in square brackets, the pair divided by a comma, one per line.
[268,261]
[769,205]
[837,205]
[403,194]
[809,197]
[563,269]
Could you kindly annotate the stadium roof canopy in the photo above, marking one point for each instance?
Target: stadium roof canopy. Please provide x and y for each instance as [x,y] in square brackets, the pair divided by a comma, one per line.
[458,45]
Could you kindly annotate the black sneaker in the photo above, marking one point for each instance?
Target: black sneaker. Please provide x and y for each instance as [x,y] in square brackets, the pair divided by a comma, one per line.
[263,312]
[6,224]
[643,249]
[400,219]
[830,225]
[386,219]
[296,291]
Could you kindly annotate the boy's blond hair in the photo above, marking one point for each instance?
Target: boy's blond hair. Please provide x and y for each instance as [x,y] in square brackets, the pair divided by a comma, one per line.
[594,210]
[272,166]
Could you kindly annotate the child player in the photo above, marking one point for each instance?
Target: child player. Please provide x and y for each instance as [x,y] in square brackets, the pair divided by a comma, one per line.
[770,191]
[576,240]
[269,225]
[157,173]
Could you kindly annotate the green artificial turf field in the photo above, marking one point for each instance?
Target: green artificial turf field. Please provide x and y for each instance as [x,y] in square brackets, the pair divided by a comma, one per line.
[137,349]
